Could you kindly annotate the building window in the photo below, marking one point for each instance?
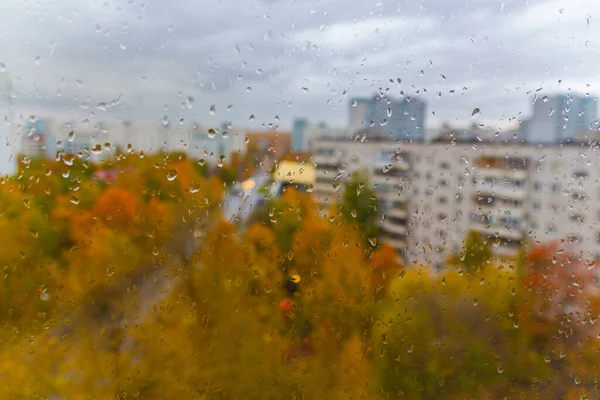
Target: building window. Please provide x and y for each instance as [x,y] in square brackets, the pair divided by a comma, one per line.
[443,200]
[555,187]
[537,205]
[580,175]
[537,186]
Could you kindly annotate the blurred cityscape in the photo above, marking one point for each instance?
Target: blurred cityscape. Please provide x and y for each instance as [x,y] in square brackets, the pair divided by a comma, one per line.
[538,181]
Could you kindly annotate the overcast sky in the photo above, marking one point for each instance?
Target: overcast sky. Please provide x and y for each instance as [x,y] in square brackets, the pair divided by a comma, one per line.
[293,58]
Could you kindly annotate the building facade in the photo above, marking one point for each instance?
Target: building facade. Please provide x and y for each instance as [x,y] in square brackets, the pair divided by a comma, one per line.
[560,118]
[389,169]
[432,194]
[401,119]
[298,129]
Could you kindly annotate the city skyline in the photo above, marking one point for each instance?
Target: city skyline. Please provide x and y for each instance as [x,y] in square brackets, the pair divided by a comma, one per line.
[288,60]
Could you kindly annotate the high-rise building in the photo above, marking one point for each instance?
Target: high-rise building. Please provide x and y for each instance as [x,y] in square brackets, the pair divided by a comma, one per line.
[359,114]
[400,119]
[38,140]
[560,118]
[298,129]
[8,145]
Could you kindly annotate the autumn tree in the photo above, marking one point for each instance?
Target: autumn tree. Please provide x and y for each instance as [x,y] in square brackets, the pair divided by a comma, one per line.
[475,254]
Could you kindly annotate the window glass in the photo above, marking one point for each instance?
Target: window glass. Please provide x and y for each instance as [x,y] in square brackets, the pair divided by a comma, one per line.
[316,199]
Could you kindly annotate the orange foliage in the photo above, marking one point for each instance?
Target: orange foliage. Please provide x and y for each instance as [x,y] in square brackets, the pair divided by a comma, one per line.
[118,207]
[384,265]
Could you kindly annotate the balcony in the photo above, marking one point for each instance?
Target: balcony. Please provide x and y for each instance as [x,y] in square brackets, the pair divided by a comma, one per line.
[398,213]
[502,174]
[393,228]
[497,230]
[502,163]
[500,190]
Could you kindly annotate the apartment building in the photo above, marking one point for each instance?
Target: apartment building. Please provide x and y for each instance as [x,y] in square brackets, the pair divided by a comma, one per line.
[388,166]
[432,194]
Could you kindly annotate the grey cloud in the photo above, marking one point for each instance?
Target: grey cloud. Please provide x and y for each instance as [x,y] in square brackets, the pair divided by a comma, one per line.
[180,49]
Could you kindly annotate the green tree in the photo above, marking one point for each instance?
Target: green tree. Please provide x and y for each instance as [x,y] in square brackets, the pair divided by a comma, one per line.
[359,205]
[475,255]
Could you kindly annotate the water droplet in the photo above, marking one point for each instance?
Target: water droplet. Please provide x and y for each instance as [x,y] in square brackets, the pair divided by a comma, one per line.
[545,99]
[165,120]
[189,102]
[561,10]
[211,133]
[252,117]
[74,200]
[123,45]
[389,112]
[171,175]
[354,103]
[295,278]
[2,67]
[500,369]
[305,89]
[96,149]
[44,296]
[259,71]
[212,110]
[476,112]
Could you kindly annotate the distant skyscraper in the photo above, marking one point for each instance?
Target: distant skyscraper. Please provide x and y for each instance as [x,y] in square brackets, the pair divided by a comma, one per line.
[8,145]
[402,119]
[559,118]
[298,129]
[359,114]
[37,140]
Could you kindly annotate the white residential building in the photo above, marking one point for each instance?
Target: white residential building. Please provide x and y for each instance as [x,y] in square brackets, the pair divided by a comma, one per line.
[389,168]
[508,192]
